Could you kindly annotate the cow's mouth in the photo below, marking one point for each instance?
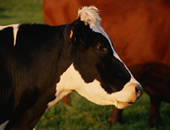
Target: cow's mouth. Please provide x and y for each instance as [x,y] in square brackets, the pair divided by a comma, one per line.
[122,105]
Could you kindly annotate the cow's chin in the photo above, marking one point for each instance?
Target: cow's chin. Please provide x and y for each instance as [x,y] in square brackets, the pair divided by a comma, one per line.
[122,105]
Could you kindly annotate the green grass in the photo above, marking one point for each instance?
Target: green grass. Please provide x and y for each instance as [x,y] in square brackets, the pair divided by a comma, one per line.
[20,11]
[82,114]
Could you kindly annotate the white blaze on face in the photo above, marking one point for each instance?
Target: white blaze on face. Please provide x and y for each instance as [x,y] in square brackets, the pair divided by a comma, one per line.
[15,30]
[129,90]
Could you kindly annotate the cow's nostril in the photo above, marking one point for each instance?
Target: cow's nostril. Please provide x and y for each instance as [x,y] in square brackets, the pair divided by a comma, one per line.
[138,91]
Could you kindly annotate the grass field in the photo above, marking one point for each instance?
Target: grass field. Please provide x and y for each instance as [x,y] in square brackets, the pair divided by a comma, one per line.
[20,11]
[82,114]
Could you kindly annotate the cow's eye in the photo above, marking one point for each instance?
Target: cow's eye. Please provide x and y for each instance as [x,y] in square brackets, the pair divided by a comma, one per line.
[102,47]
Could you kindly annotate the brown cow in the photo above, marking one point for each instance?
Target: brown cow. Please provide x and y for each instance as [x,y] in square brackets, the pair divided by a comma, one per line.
[140,31]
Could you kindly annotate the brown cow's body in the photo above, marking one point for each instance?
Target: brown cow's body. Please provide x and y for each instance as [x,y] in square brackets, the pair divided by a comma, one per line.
[140,31]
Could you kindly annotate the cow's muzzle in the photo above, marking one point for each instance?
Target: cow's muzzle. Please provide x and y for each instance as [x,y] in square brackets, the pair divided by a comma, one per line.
[131,92]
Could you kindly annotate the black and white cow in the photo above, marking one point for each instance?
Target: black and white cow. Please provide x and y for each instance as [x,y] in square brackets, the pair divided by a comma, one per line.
[39,64]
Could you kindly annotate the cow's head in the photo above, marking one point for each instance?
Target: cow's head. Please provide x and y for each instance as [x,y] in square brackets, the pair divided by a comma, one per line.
[96,72]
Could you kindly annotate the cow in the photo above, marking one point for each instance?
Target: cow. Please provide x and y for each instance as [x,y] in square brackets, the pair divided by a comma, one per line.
[140,33]
[40,64]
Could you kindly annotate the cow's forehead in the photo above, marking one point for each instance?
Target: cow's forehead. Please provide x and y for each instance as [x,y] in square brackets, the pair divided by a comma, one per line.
[99,29]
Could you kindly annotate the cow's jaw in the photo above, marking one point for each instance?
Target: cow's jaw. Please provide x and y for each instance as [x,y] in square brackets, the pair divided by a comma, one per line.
[71,80]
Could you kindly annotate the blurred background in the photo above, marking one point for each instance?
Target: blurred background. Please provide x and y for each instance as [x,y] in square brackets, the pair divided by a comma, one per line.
[81,114]
[20,11]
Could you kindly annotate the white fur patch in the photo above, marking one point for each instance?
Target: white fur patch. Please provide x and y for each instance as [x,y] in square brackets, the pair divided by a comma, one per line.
[71,80]
[89,14]
[3,125]
[15,30]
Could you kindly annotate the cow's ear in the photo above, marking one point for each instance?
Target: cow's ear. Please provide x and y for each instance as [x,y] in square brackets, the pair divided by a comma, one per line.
[77,32]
